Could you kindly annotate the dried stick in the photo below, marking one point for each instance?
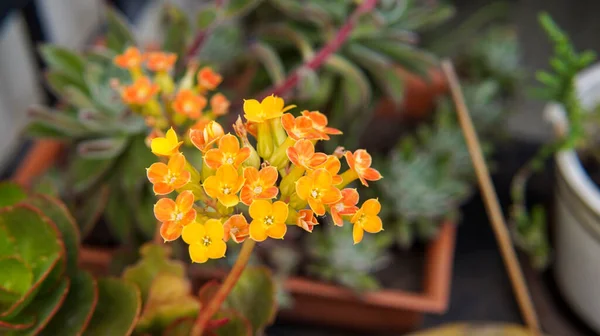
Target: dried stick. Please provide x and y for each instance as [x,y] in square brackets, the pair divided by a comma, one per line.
[492,205]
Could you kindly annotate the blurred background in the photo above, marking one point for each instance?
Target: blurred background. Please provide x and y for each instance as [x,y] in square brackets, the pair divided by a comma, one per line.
[480,290]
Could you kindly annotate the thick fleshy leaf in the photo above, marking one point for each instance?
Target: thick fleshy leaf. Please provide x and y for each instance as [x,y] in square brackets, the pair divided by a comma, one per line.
[182,327]
[15,280]
[237,324]
[133,166]
[207,291]
[89,213]
[144,212]
[37,242]
[410,58]
[269,58]
[177,31]
[118,34]
[206,16]
[18,323]
[65,223]
[303,11]
[11,194]
[355,84]
[45,119]
[154,260]
[83,173]
[118,214]
[64,61]
[169,300]
[44,307]
[77,309]
[254,297]
[77,98]
[119,304]
[106,148]
[240,7]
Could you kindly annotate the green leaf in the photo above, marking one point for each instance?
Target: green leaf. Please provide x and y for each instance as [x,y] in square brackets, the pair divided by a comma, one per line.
[169,299]
[64,61]
[44,308]
[15,279]
[37,242]
[83,173]
[45,131]
[240,7]
[65,223]
[410,58]
[77,309]
[118,307]
[100,149]
[236,324]
[269,58]
[77,98]
[154,260]
[177,31]
[144,212]
[18,323]
[254,297]
[182,327]
[206,16]
[56,120]
[11,194]
[118,215]
[90,211]
[355,85]
[118,35]
[58,82]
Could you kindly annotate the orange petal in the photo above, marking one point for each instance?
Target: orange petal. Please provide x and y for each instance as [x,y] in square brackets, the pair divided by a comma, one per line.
[277,230]
[164,208]
[188,217]
[371,174]
[181,180]
[162,188]
[176,163]
[305,148]
[247,195]
[241,156]
[214,158]
[350,196]
[331,130]
[293,155]
[350,159]
[268,175]
[363,157]
[157,172]
[229,201]
[357,233]
[335,215]
[251,175]
[197,138]
[257,231]
[316,206]
[287,120]
[332,195]
[269,193]
[228,175]
[371,207]
[260,208]
[318,159]
[170,231]
[185,201]
[337,179]
[373,224]
[229,144]
[211,186]
[322,178]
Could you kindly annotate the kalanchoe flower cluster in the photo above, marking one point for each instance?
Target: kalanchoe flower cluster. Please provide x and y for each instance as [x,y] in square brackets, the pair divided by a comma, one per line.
[243,191]
[190,103]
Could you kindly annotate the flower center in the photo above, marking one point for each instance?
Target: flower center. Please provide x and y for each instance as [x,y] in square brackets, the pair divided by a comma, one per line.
[362,219]
[229,160]
[315,193]
[170,178]
[258,189]
[142,92]
[339,207]
[188,106]
[178,216]
[206,241]
[269,220]
[226,190]
[234,230]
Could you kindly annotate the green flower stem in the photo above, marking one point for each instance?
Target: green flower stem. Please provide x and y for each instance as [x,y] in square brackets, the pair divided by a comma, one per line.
[347,177]
[215,303]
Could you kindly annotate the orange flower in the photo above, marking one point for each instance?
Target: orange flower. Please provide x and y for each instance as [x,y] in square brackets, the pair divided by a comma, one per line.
[346,206]
[228,153]
[333,166]
[189,104]
[319,121]
[259,184]
[205,133]
[208,79]
[237,228]
[131,59]
[366,219]
[160,61]
[307,220]
[299,128]
[224,186]
[166,146]
[317,188]
[360,163]
[167,178]
[140,92]
[303,154]
[268,220]
[269,108]
[219,104]
[174,215]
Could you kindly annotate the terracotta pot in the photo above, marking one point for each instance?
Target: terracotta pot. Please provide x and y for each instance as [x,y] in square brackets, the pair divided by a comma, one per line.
[420,95]
[314,301]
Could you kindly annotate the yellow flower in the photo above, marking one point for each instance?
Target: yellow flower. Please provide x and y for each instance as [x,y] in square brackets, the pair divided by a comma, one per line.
[206,241]
[366,219]
[166,146]
[269,108]
[268,220]
[225,185]
[317,188]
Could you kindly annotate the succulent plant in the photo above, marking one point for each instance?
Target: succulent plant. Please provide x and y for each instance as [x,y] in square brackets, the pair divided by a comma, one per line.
[42,291]
[333,257]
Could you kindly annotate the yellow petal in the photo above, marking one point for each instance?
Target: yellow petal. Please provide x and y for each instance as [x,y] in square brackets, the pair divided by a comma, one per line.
[252,110]
[303,186]
[373,224]
[211,186]
[357,234]
[257,231]
[228,175]
[322,178]
[371,207]
[229,201]
[217,249]
[277,230]
[160,146]
[198,253]
[214,229]
[193,233]
[171,136]
[260,208]
[280,212]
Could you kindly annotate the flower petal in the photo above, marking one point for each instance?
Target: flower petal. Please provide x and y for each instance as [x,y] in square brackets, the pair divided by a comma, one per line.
[164,208]
[268,175]
[230,200]
[214,158]
[350,196]
[161,146]
[373,224]
[257,231]
[331,195]
[335,215]
[357,234]
[170,231]
[371,207]
[318,159]
[251,175]
[316,206]
[198,253]
[322,178]
[217,249]
[229,144]
[252,110]
[162,188]
[350,159]
[227,174]
[270,192]
[371,174]
[247,195]
[176,163]
[280,211]
[188,217]
[242,156]
[156,172]
[214,229]
[193,233]
[363,158]
[185,201]
[260,208]
[211,186]
[303,186]
[277,230]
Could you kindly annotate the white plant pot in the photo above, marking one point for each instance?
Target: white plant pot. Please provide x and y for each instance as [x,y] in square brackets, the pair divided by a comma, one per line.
[577,211]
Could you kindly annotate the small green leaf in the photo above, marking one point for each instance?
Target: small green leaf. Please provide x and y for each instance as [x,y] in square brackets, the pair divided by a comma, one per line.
[240,7]
[206,16]
[269,58]
[83,173]
[118,215]
[181,327]
[144,213]
[355,84]
[100,149]
[15,279]
[18,323]
[236,324]
[118,35]
[77,309]
[65,223]
[177,31]
[88,213]
[169,299]
[57,120]
[44,308]
[36,241]
[62,60]
[11,194]
[154,260]
[254,297]
[118,307]
[77,98]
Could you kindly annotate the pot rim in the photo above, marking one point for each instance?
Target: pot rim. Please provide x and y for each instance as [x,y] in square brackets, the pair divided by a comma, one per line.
[567,161]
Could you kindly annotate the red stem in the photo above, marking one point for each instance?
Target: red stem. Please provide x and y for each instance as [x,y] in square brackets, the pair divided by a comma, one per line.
[321,56]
